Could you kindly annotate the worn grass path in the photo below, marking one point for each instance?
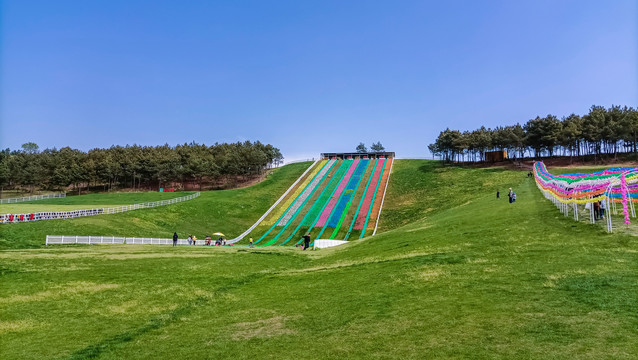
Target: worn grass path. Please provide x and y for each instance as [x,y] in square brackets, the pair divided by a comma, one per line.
[474,277]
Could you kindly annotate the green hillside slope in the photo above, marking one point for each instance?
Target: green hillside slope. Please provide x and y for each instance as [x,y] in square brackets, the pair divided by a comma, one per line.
[476,277]
[227,211]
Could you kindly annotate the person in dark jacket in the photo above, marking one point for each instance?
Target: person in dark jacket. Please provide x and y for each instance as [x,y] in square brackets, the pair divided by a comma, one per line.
[174,239]
[306,241]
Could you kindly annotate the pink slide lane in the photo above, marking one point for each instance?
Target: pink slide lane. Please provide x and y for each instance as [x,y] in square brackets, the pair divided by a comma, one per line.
[367,202]
[333,200]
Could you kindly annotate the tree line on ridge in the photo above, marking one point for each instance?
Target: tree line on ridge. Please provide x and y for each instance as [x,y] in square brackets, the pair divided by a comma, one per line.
[600,132]
[133,166]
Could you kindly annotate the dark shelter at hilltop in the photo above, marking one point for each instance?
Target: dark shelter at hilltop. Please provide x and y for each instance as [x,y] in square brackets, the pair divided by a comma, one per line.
[357,155]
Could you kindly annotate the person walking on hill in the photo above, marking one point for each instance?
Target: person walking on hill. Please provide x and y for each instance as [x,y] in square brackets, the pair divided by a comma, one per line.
[509,195]
[174,239]
[602,209]
[250,243]
[306,241]
[498,194]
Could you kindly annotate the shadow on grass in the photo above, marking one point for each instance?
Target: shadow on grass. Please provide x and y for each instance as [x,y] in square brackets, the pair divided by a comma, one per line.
[96,350]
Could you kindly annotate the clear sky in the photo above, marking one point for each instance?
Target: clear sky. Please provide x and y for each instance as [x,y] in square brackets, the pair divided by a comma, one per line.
[305,76]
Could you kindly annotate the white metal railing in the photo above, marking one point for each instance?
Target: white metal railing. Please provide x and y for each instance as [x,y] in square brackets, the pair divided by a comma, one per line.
[71,239]
[50,215]
[387,182]
[31,198]
[298,161]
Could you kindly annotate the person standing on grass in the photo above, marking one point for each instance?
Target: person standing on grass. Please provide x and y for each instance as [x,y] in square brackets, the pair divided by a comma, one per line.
[509,195]
[306,241]
[174,239]
[602,209]
[498,194]
[250,243]
[190,239]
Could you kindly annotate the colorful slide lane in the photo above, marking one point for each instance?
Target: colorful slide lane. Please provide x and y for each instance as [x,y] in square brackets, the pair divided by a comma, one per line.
[313,213]
[347,217]
[320,166]
[323,218]
[376,206]
[368,199]
[320,176]
[345,202]
[308,191]
[324,197]
[276,216]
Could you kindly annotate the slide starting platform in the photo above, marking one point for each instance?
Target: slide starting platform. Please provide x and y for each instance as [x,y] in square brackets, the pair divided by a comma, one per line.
[337,199]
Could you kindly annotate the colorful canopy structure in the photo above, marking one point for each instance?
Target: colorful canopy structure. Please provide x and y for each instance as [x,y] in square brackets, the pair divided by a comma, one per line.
[610,186]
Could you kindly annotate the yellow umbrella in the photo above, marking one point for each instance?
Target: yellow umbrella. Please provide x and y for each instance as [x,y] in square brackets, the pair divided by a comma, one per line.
[219,234]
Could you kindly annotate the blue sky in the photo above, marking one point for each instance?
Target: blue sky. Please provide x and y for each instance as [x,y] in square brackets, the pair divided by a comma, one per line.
[304,76]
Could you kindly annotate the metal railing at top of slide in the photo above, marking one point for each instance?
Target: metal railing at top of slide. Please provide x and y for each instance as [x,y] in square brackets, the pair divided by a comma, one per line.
[31,198]
[92,240]
[51,215]
[298,161]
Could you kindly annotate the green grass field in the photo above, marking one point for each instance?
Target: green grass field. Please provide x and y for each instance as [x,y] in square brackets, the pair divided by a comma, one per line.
[457,274]
[90,201]
[227,211]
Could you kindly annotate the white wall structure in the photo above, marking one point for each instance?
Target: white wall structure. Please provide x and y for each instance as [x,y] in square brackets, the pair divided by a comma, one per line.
[326,243]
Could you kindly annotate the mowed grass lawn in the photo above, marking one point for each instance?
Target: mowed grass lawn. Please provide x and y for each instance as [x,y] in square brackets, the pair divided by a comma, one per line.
[474,277]
[90,201]
[227,211]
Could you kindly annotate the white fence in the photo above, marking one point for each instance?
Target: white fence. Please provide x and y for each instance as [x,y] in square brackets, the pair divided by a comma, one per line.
[50,215]
[31,198]
[66,239]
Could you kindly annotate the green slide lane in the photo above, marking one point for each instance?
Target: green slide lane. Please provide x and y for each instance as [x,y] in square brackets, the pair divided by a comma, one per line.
[274,239]
[365,191]
[317,207]
[343,216]
[288,208]
[348,205]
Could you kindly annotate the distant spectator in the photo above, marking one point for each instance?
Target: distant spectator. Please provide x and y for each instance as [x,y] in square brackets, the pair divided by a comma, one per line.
[596,210]
[174,239]
[250,243]
[509,195]
[194,239]
[208,239]
[306,241]
[498,194]
[190,239]
[602,209]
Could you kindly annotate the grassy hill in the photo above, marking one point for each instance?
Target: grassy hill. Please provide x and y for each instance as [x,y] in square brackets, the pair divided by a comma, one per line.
[89,201]
[228,211]
[469,276]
